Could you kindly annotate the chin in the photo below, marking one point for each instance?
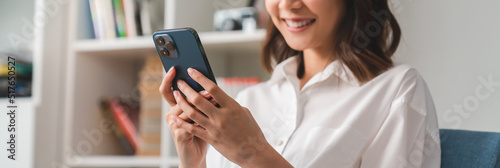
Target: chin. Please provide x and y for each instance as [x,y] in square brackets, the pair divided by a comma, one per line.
[298,45]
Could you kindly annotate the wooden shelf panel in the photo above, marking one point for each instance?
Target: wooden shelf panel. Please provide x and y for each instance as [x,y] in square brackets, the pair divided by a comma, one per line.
[122,161]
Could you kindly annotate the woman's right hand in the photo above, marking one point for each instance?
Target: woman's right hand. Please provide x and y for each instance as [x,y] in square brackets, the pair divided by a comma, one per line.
[190,149]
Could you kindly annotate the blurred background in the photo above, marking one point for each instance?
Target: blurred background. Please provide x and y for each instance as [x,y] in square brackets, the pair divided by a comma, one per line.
[87,72]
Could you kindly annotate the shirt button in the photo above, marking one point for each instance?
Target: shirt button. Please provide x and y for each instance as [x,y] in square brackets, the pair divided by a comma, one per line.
[279,143]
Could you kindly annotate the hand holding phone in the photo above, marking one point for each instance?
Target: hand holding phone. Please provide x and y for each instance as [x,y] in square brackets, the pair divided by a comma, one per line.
[182,49]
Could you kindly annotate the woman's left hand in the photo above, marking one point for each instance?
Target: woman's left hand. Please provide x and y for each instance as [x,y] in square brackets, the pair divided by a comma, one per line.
[229,128]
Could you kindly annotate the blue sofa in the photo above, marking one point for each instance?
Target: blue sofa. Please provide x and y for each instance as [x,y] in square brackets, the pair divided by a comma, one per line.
[469,149]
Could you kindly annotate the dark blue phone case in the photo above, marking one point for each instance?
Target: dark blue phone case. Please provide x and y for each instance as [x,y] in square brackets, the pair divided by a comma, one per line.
[189,54]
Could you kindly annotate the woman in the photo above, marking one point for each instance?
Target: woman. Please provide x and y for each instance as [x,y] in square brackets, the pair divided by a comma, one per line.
[335,98]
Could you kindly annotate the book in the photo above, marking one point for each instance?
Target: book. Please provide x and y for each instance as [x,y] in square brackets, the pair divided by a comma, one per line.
[93,16]
[149,90]
[124,122]
[130,23]
[137,16]
[109,23]
[150,132]
[105,108]
[150,78]
[119,18]
[125,18]
[150,121]
[145,18]
[97,14]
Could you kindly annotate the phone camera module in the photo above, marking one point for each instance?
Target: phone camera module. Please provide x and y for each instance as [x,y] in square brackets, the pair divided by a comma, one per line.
[164,52]
[160,41]
[170,46]
[165,46]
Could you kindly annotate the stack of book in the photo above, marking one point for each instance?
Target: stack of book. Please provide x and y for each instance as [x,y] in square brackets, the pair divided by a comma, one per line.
[150,118]
[125,18]
[124,122]
[23,73]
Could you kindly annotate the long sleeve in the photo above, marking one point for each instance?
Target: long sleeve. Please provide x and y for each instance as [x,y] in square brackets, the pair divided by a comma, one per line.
[409,137]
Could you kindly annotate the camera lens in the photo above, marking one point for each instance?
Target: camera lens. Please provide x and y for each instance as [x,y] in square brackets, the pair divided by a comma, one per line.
[160,41]
[164,52]
[170,46]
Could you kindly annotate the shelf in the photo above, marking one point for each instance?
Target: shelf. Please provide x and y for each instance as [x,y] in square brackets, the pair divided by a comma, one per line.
[235,40]
[115,47]
[94,45]
[210,38]
[121,161]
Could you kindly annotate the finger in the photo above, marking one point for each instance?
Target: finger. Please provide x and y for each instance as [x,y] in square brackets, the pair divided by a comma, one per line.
[166,87]
[191,112]
[195,130]
[185,117]
[171,124]
[174,111]
[214,102]
[205,94]
[209,97]
[209,86]
[196,99]
[177,111]
[178,133]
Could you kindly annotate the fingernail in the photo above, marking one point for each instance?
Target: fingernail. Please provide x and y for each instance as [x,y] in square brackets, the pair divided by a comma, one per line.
[173,118]
[191,71]
[170,70]
[179,83]
[204,92]
[176,95]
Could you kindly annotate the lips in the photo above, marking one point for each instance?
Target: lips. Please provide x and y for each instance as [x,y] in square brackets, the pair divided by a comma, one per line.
[298,23]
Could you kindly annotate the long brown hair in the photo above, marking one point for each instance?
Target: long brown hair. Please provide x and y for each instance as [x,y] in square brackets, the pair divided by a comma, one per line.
[366,39]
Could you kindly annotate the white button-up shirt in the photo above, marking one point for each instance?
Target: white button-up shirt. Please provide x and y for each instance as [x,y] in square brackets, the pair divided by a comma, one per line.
[334,121]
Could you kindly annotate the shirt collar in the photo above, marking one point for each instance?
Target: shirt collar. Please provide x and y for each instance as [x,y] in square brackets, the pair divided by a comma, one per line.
[288,69]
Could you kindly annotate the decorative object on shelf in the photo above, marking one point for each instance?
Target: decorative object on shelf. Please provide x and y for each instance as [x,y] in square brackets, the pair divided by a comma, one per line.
[263,16]
[236,19]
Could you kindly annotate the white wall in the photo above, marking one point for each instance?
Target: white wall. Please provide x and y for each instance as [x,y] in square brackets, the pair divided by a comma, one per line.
[13,16]
[454,44]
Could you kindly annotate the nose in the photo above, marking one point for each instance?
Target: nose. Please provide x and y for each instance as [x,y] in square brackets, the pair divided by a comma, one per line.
[291,4]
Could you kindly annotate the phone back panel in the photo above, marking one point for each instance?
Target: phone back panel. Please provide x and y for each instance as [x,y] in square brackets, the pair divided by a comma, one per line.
[190,54]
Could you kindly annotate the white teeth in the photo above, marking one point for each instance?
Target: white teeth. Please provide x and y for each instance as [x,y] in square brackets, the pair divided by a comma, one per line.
[298,24]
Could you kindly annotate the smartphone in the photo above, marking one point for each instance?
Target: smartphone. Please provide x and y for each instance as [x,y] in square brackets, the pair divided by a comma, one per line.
[182,49]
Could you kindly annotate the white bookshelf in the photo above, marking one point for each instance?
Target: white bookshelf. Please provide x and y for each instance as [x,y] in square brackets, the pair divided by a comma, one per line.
[96,68]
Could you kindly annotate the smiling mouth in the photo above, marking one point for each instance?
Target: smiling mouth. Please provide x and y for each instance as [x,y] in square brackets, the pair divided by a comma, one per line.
[298,24]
